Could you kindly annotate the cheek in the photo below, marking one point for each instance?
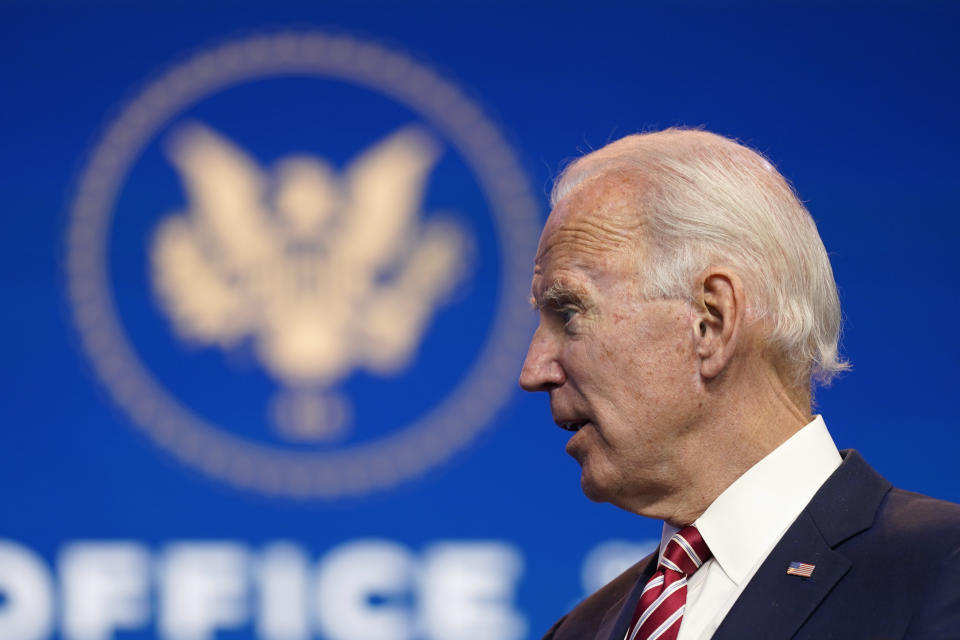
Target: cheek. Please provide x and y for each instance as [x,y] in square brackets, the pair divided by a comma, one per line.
[661,370]
[584,359]
[633,362]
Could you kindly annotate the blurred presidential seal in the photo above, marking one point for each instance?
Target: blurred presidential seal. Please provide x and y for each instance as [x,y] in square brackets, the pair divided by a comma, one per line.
[297,260]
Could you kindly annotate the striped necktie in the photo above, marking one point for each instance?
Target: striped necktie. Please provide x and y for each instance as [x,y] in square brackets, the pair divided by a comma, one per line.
[658,614]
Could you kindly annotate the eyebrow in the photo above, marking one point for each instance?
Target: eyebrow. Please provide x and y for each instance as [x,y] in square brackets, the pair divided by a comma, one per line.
[557,294]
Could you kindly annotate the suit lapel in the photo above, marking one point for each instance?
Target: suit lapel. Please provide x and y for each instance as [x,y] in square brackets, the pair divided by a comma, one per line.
[774,605]
[613,625]
[778,603]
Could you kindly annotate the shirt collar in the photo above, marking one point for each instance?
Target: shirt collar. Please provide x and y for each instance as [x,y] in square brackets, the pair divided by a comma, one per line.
[745,521]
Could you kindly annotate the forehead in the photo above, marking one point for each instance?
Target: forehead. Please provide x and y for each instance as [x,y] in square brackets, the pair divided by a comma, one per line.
[594,226]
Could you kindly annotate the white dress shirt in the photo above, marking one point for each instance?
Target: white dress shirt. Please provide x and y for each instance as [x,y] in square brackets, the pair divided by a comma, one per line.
[747,520]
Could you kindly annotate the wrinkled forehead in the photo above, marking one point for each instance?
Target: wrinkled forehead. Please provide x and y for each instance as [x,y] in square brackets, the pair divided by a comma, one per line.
[600,217]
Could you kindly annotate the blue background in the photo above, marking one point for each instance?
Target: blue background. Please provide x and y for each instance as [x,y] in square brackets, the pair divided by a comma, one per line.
[856,104]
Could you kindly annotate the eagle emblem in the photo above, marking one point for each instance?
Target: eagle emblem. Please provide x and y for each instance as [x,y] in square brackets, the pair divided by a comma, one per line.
[323,271]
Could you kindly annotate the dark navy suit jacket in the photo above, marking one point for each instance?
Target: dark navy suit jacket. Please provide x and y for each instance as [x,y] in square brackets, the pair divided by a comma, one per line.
[887,566]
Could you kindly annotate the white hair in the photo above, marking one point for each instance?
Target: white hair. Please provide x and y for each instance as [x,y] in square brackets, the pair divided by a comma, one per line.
[707,200]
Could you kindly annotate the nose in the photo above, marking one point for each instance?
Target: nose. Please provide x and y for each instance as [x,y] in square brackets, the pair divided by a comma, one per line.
[541,370]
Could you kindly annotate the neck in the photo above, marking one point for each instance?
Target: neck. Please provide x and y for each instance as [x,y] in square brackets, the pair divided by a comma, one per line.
[747,418]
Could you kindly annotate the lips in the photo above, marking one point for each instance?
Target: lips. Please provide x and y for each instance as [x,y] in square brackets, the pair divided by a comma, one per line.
[571,425]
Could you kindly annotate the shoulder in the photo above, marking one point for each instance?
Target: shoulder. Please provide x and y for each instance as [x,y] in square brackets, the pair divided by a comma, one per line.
[917,511]
[861,515]
[924,534]
[857,505]
[923,530]
[582,621]
[918,520]
[905,562]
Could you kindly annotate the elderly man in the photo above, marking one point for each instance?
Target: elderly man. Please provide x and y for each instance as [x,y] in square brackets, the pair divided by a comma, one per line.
[686,305]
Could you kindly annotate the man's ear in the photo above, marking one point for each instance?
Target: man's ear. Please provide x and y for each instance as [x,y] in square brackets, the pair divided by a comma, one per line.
[719,314]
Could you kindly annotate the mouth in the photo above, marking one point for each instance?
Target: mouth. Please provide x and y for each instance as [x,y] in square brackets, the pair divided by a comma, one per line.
[572,425]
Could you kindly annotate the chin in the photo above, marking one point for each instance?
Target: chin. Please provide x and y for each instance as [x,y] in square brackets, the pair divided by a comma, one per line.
[594,490]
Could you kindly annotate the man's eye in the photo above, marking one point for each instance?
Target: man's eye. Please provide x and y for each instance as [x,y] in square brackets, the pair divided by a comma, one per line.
[567,314]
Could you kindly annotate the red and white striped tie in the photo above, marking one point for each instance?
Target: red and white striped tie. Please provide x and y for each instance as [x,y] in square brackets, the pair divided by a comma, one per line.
[658,614]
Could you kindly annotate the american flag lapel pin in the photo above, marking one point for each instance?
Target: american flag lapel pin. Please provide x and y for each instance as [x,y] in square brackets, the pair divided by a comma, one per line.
[801,569]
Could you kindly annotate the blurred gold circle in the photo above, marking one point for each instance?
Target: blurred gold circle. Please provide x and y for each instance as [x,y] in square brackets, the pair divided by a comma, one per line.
[409,450]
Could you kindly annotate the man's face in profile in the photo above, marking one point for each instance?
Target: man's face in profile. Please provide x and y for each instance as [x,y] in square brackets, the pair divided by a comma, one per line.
[620,369]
